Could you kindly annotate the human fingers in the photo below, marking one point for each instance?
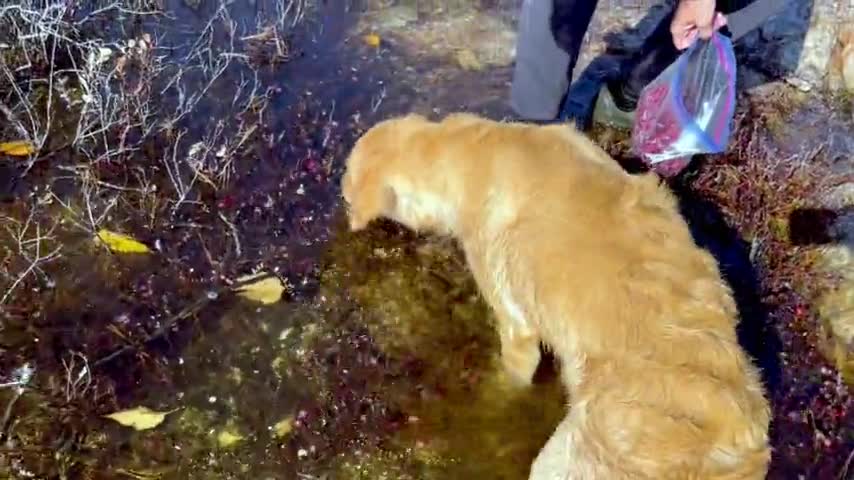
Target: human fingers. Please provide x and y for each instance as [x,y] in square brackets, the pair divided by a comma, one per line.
[720,21]
[685,38]
[705,31]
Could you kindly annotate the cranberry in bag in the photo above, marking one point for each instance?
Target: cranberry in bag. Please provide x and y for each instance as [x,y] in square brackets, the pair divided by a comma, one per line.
[688,108]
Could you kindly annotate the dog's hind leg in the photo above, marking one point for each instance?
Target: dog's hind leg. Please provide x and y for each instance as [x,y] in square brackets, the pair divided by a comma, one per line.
[573,452]
[565,455]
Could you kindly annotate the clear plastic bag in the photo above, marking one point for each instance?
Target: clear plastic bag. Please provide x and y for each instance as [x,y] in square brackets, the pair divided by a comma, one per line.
[688,109]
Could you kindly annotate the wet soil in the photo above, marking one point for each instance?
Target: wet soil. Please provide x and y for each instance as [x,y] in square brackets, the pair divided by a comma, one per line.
[379,361]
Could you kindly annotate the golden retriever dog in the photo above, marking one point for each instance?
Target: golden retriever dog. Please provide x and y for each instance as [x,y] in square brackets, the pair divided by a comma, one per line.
[599,266]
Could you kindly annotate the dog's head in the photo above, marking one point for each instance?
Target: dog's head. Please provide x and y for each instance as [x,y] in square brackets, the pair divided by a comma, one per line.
[377,155]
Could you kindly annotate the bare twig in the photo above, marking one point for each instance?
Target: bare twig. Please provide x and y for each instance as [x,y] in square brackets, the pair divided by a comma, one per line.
[377,100]
[30,247]
[21,378]
[192,309]
[843,473]
[234,235]
[77,382]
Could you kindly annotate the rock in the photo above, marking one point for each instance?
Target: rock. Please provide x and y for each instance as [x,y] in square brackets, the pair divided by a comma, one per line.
[836,306]
[848,71]
[836,310]
[814,61]
[839,196]
[797,41]
[841,71]
[799,83]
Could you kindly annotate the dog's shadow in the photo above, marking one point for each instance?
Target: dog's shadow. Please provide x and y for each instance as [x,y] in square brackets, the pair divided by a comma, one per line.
[756,333]
[710,230]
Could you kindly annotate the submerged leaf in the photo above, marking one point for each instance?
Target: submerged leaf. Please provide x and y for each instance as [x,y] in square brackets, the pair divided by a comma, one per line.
[140,418]
[18,148]
[468,60]
[372,40]
[228,437]
[266,291]
[283,427]
[121,243]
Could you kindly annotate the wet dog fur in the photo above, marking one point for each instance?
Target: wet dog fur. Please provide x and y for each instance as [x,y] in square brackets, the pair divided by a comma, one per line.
[598,265]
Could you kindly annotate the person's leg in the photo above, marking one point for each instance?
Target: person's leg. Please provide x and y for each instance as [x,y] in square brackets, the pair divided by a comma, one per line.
[656,53]
[549,40]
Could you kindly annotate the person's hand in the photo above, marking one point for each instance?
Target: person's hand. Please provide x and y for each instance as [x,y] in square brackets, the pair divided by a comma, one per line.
[692,19]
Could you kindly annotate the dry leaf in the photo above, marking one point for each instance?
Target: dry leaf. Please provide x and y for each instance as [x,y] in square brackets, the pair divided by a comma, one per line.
[228,438]
[264,35]
[17,148]
[372,40]
[283,427]
[139,418]
[144,42]
[468,60]
[120,64]
[104,54]
[266,291]
[121,243]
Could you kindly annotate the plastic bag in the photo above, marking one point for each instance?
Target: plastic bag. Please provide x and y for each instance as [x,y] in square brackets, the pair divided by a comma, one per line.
[688,109]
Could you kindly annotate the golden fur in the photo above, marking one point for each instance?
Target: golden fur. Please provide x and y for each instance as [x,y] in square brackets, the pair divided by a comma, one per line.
[598,265]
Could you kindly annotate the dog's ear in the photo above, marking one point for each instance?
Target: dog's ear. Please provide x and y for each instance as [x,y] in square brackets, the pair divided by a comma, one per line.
[370,199]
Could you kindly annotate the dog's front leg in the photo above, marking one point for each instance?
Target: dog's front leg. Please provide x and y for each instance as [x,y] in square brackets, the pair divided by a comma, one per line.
[520,344]
[520,351]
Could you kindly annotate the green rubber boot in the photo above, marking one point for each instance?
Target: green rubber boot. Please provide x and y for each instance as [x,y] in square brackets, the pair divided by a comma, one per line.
[608,113]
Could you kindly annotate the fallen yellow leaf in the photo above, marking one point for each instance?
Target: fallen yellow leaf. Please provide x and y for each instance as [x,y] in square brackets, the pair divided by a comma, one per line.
[468,60]
[228,438]
[283,427]
[121,243]
[372,40]
[18,148]
[265,291]
[146,474]
[139,418]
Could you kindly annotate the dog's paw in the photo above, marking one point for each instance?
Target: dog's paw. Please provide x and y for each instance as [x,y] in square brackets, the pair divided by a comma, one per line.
[514,379]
